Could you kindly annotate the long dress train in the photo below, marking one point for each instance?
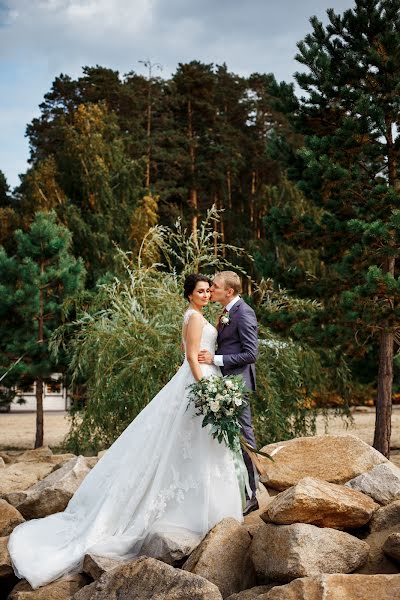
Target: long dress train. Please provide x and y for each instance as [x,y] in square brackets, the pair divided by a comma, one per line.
[165,472]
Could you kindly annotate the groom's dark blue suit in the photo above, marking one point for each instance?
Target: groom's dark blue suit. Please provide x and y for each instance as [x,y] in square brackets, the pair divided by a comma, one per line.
[238,343]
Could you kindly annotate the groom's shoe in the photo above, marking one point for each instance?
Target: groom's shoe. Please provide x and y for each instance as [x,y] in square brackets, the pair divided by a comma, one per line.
[250,506]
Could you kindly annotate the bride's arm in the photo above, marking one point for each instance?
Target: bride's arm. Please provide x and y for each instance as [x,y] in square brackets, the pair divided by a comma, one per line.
[193,338]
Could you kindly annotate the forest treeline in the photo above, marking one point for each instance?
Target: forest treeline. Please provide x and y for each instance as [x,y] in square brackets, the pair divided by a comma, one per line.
[307,186]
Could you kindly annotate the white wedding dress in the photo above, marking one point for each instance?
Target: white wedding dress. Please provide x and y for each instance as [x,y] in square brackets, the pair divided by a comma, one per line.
[164,473]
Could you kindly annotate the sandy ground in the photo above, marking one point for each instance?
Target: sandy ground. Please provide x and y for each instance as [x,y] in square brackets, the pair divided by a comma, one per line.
[17,430]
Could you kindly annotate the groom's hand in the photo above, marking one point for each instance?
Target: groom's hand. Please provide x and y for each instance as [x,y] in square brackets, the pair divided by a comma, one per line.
[205,357]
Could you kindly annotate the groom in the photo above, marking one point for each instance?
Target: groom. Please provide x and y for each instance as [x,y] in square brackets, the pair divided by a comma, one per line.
[237,347]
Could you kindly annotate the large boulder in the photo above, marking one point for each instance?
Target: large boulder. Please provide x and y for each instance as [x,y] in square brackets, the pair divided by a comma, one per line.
[53,493]
[391,547]
[338,587]
[62,589]
[382,483]
[223,558]
[10,517]
[5,560]
[21,476]
[334,458]
[285,552]
[149,579]
[171,547]
[35,455]
[385,517]
[320,503]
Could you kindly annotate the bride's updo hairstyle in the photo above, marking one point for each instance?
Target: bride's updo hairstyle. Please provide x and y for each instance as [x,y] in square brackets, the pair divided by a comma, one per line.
[191,281]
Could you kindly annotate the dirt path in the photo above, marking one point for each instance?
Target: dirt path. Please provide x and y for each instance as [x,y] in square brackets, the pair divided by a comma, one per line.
[17,430]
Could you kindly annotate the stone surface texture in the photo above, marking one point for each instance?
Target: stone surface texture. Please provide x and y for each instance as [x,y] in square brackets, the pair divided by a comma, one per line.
[391,547]
[223,558]
[338,587]
[63,589]
[285,552]
[95,566]
[334,458]
[5,560]
[53,493]
[382,483]
[385,517]
[254,593]
[149,579]
[320,503]
[10,517]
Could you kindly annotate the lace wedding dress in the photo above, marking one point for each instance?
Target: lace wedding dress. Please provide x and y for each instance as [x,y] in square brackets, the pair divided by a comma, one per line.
[164,473]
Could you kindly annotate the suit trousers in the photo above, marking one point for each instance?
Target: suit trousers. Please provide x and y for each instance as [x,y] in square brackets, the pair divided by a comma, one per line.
[248,434]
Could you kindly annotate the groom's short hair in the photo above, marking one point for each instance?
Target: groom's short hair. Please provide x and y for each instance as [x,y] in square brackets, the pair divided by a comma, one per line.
[231,280]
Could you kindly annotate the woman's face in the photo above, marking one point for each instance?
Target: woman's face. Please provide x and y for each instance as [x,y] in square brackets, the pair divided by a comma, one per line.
[201,294]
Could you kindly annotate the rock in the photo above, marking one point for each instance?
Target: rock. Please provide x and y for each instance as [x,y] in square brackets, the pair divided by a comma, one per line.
[223,558]
[91,461]
[62,589]
[253,593]
[36,455]
[338,587]
[385,517]
[391,547]
[284,552]
[170,547]
[10,517]
[320,503]
[95,566]
[6,457]
[333,458]
[2,463]
[21,476]
[149,579]
[101,453]
[382,483]
[53,493]
[5,560]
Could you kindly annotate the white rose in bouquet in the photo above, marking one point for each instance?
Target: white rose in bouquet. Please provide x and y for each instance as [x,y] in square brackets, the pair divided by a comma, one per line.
[214,406]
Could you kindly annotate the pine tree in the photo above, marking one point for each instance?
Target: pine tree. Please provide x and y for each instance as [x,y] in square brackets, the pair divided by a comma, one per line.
[34,283]
[348,170]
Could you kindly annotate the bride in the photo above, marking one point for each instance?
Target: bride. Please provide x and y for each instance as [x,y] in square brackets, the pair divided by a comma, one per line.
[165,473]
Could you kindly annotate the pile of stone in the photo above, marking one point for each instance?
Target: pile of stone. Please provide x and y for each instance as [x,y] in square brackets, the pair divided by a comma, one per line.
[328,528]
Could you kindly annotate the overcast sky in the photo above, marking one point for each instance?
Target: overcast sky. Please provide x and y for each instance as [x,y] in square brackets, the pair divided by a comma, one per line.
[39,39]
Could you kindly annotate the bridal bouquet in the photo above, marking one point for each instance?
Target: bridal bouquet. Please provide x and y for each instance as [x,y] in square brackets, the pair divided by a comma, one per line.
[220,400]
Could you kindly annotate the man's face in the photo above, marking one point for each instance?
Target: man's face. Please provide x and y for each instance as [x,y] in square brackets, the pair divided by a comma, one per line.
[218,291]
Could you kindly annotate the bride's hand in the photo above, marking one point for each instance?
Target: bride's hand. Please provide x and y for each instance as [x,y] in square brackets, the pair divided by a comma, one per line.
[205,357]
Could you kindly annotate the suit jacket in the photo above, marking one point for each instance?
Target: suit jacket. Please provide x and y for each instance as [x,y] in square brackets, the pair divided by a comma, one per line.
[238,343]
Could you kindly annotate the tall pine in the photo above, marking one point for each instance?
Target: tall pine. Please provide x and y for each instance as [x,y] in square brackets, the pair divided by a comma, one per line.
[348,170]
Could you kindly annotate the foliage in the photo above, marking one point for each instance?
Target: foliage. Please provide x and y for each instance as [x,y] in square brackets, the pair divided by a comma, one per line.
[33,285]
[126,345]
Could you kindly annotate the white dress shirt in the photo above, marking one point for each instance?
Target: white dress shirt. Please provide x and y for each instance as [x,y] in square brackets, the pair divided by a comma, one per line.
[219,358]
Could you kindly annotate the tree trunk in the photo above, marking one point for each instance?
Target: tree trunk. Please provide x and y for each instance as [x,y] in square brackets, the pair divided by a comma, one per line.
[192,154]
[39,380]
[384,397]
[39,413]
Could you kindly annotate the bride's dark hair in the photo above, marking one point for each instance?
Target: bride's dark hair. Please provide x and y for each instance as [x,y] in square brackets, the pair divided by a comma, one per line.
[191,281]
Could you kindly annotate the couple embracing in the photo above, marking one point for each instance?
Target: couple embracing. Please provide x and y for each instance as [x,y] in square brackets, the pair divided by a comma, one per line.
[165,476]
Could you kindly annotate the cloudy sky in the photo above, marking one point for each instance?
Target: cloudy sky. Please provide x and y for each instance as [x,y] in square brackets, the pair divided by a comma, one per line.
[39,39]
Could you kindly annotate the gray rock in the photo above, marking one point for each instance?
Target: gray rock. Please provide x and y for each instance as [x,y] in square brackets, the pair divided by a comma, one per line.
[149,579]
[223,558]
[95,566]
[285,552]
[391,547]
[52,494]
[385,517]
[170,547]
[382,483]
